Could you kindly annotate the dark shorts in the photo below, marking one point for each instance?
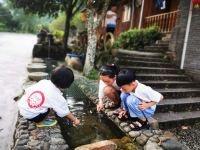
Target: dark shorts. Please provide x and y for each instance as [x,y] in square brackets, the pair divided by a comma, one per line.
[110,28]
[40,117]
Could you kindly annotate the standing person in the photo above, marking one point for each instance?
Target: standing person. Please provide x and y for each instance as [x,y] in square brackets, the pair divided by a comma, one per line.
[44,96]
[108,87]
[111,19]
[141,100]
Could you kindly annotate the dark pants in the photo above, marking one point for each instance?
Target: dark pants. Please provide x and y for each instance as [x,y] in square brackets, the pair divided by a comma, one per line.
[40,117]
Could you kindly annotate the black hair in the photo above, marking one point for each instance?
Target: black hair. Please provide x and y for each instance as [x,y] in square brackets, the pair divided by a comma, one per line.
[62,77]
[125,76]
[109,70]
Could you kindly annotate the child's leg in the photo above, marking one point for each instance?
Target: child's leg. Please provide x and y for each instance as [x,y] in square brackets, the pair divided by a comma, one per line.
[112,94]
[133,107]
[42,120]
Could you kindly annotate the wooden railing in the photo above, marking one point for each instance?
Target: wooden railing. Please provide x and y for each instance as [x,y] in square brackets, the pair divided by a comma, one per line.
[165,21]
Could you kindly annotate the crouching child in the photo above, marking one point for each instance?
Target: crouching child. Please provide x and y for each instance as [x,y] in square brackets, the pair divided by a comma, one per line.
[140,102]
[46,95]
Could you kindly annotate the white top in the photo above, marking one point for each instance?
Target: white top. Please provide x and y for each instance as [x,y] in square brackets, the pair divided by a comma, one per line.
[41,96]
[146,93]
[102,85]
[111,20]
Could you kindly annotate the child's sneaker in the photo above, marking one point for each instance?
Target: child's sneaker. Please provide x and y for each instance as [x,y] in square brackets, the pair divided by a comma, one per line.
[47,123]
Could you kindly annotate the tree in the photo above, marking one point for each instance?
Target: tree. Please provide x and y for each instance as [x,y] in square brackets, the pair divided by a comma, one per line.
[101,8]
[52,8]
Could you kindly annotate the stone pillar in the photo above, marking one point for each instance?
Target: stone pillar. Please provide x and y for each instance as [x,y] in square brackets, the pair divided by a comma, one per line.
[178,33]
[192,57]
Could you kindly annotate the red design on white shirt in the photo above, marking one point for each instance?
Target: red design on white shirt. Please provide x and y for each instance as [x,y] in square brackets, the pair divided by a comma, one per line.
[36,99]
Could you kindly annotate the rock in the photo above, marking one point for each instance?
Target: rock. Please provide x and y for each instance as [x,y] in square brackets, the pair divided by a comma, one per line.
[148,133]
[142,139]
[57,141]
[117,121]
[24,136]
[123,124]
[110,113]
[158,132]
[31,127]
[154,139]
[134,134]
[152,146]
[37,76]
[173,145]
[36,67]
[102,145]
[45,146]
[33,143]
[21,148]
[127,129]
[37,60]
[22,142]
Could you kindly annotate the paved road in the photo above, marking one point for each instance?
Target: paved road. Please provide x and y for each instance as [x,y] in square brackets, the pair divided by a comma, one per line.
[15,54]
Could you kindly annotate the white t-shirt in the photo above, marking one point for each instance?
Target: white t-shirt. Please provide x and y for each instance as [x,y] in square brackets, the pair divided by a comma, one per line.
[41,96]
[146,93]
[111,20]
[102,85]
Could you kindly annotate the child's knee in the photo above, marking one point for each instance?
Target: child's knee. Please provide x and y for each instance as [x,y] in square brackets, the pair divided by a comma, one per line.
[124,96]
[132,101]
[108,90]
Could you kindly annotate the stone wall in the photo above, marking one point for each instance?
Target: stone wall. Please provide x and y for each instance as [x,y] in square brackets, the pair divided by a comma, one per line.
[178,34]
[192,57]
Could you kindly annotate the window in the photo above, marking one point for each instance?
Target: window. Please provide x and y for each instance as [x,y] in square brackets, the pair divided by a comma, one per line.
[126,13]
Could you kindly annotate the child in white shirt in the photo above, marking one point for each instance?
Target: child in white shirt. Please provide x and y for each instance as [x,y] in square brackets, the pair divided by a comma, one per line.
[45,95]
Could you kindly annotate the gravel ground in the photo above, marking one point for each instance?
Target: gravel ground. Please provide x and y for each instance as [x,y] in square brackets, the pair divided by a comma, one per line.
[189,136]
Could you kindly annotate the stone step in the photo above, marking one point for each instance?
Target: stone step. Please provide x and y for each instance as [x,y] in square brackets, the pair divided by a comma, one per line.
[171,84]
[178,105]
[154,50]
[143,63]
[159,70]
[156,47]
[161,77]
[128,57]
[174,119]
[123,52]
[162,42]
[180,92]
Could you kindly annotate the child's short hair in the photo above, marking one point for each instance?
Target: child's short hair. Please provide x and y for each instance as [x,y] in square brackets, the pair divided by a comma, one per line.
[62,77]
[109,70]
[125,76]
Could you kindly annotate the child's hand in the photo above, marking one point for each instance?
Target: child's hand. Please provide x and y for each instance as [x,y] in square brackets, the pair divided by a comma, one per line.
[122,113]
[76,122]
[143,105]
[99,106]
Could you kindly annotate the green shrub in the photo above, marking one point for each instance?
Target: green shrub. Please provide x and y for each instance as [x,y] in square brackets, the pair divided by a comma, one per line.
[137,38]
[58,34]
[93,75]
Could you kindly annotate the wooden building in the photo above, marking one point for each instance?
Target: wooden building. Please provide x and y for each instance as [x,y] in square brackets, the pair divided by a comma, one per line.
[144,13]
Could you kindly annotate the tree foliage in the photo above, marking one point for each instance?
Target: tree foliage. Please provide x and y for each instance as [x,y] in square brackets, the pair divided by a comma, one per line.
[52,8]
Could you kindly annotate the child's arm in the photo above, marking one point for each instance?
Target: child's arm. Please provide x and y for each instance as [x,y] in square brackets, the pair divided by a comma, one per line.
[100,104]
[144,105]
[71,117]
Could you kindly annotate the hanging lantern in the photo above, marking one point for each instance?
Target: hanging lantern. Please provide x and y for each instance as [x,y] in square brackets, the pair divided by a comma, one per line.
[196,3]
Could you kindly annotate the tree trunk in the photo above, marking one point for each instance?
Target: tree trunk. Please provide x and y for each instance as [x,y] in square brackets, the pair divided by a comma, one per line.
[91,49]
[68,14]
[92,37]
